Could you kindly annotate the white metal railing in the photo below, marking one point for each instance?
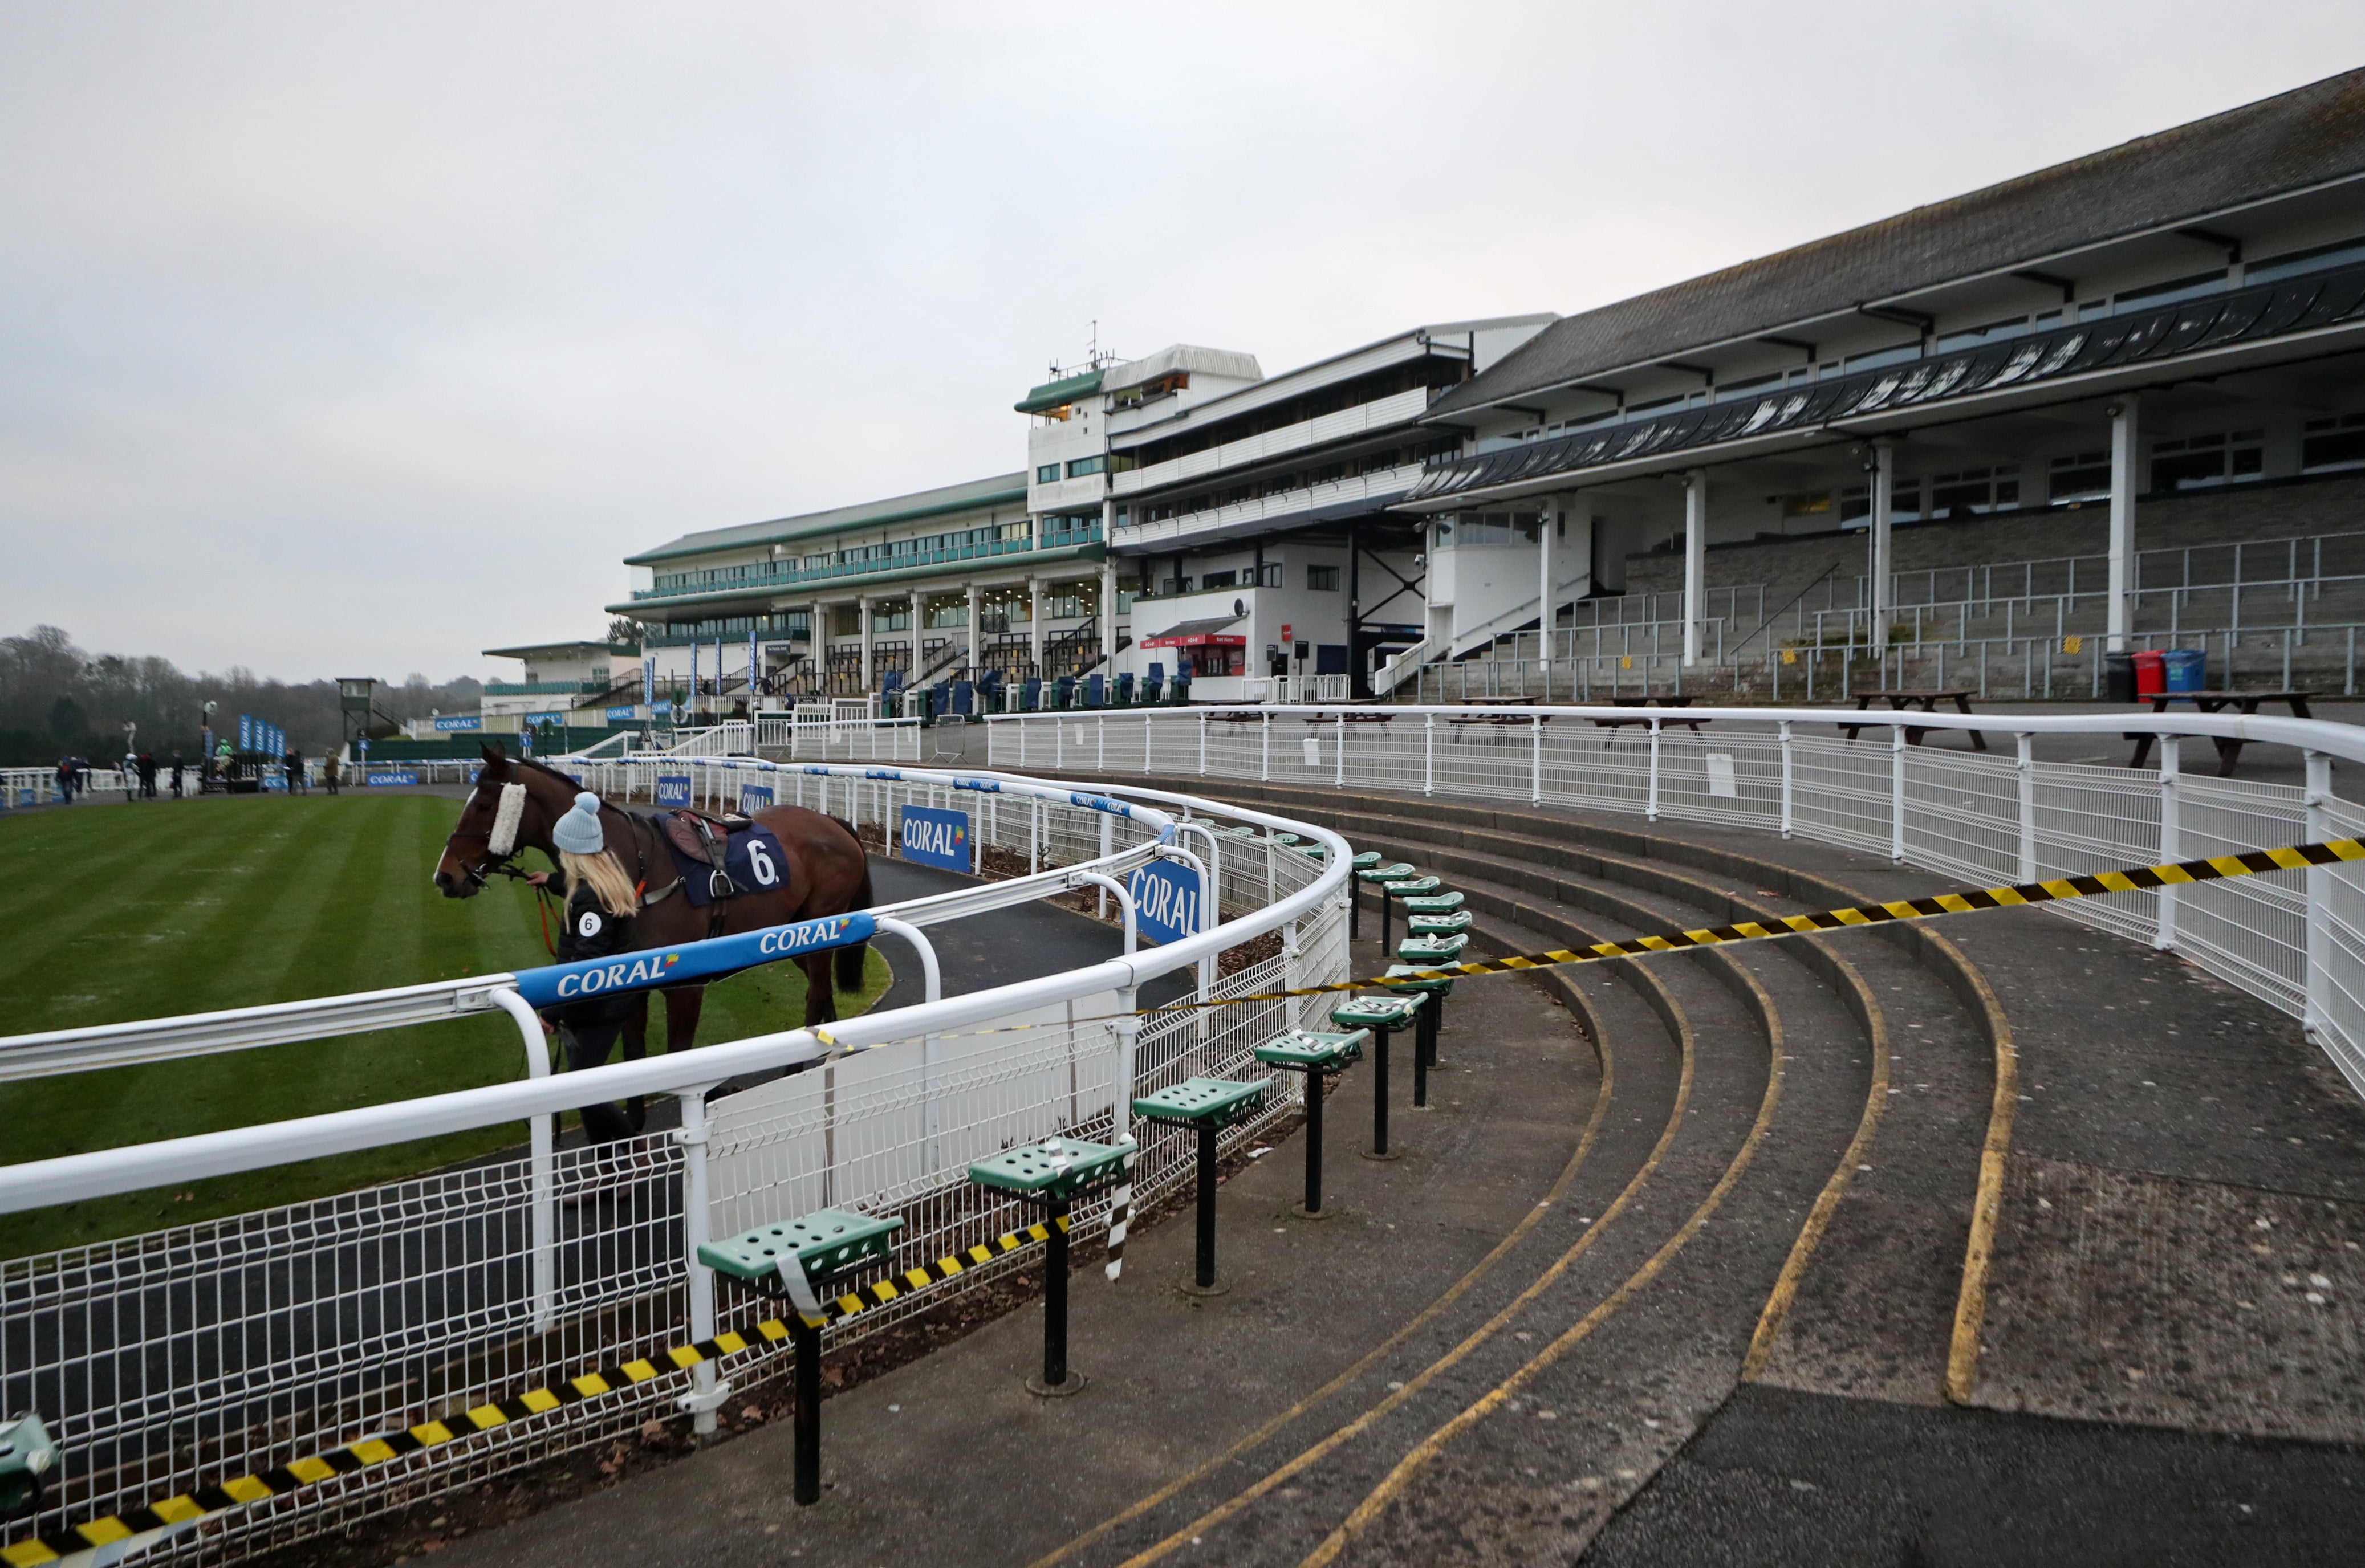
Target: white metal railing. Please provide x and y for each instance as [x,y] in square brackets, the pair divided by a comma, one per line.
[204,1352]
[2296,940]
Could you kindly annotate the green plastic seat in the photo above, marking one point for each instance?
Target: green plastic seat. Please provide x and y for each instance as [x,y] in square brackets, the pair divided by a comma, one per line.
[1365,860]
[1391,1011]
[1289,838]
[1433,951]
[27,1454]
[1438,925]
[1056,1167]
[1320,852]
[1309,1050]
[1443,988]
[1235,832]
[1415,886]
[1196,1101]
[827,1243]
[1434,904]
[1395,873]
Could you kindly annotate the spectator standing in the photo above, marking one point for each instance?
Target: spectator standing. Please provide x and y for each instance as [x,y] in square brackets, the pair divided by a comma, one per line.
[292,766]
[329,772]
[65,780]
[130,776]
[177,775]
[147,775]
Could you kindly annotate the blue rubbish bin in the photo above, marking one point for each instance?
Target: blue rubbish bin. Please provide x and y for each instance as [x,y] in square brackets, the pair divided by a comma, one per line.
[2187,670]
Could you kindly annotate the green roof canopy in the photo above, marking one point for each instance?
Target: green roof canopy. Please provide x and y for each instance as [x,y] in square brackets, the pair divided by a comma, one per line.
[1052,394]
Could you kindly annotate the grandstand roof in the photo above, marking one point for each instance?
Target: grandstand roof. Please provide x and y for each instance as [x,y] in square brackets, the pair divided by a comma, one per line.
[2308,136]
[1001,489]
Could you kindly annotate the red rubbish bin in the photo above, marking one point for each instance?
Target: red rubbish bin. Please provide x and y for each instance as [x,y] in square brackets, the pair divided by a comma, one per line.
[2151,674]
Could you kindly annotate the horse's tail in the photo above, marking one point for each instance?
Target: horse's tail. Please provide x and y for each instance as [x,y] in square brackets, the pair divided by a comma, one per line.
[850,959]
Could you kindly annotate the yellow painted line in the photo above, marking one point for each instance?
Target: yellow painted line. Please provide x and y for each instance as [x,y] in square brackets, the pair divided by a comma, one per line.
[1784,1294]
[1413,1463]
[1971,1300]
[1478,1337]
[1605,1053]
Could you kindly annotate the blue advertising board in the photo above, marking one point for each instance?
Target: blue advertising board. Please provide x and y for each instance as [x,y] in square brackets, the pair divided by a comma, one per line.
[460,721]
[717,956]
[673,789]
[392,776]
[245,733]
[754,797]
[1166,898]
[936,837]
[621,715]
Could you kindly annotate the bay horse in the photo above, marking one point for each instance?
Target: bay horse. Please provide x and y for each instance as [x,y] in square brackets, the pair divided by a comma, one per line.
[829,873]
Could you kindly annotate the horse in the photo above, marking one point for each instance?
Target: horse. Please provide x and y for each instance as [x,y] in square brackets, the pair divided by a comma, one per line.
[829,873]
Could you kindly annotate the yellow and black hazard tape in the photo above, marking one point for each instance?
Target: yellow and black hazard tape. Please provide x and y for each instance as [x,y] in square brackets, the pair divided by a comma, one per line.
[2128,879]
[189,1507]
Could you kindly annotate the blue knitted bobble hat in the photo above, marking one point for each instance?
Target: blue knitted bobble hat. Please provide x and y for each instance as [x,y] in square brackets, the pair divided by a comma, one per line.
[579,831]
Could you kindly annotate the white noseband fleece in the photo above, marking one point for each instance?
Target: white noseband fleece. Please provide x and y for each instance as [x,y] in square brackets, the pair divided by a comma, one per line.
[506,818]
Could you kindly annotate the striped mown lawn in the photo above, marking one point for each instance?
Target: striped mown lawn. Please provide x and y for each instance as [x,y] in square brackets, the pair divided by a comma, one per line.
[114,912]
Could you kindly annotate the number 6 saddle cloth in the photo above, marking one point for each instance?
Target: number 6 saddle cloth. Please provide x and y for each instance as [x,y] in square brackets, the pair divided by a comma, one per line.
[722,857]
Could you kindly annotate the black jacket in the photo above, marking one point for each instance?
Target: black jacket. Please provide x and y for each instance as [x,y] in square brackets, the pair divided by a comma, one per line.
[590,932]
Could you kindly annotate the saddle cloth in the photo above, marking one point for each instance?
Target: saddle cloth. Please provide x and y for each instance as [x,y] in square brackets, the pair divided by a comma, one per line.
[751,862]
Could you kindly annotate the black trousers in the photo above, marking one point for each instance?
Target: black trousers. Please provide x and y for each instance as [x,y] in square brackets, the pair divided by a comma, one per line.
[588,1045]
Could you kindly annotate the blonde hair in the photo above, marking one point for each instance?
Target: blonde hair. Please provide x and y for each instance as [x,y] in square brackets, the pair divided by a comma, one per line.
[605,879]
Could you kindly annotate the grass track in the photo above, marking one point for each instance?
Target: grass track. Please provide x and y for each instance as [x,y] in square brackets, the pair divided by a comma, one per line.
[114,911]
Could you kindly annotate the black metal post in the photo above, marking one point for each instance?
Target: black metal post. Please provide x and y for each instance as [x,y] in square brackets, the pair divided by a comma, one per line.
[1055,1294]
[1205,1274]
[1421,1047]
[1386,900]
[807,1340]
[1314,1141]
[1354,894]
[1380,1090]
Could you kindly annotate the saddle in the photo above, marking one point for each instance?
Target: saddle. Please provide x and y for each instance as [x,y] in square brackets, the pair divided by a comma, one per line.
[700,838]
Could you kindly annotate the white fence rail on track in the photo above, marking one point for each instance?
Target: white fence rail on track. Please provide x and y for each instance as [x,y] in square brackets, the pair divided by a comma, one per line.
[2295,940]
[189,1356]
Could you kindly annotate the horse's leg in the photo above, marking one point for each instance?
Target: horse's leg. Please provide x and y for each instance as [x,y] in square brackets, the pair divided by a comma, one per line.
[820,1001]
[682,1005]
[636,1045]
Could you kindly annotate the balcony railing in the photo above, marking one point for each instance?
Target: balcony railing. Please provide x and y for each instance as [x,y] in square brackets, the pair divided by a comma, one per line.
[787,574]
[542,688]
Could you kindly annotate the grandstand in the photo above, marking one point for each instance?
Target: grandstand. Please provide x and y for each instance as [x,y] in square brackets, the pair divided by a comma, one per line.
[2111,405]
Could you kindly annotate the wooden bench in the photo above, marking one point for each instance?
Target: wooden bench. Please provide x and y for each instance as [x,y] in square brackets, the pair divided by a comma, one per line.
[1614,725]
[1925,701]
[2229,747]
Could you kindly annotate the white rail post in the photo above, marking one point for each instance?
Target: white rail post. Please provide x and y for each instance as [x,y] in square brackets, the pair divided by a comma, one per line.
[1651,801]
[1108,847]
[1786,776]
[1264,752]
[2319,889]
[2026,767]
[1100,744]
[1897,793]
[1429,754]
[1202,745]
[1060,740]
[1128,1030]
[2169,765]
[541,1162]
[706,1395]
[1536,761]
[1341,761]
[1290,970]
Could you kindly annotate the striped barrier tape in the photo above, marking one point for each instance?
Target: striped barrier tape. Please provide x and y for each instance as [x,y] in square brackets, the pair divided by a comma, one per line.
[187,1508]
[2128,879]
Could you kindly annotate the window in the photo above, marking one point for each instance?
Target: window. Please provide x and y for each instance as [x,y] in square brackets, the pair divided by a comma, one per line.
[2328,445]
[1221,579]
[1322,579]
[2197,460]
[1268,575]
[1085,467]
[1972,490]
[2317,258]
[2167,293]
[1048,475]
[2081,476]
[1173,586]
[1875,358]
[1856,500]
[1498,528]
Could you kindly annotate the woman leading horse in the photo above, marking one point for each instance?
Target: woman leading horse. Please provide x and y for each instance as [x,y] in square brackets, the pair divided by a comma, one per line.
[516,804]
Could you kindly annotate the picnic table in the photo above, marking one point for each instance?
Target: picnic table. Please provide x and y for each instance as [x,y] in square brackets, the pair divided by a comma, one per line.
[1926,702]
[1669,701]
[1508,702]
[2229,748]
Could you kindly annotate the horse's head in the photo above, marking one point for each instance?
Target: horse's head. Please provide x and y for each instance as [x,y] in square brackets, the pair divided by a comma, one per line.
[501,818]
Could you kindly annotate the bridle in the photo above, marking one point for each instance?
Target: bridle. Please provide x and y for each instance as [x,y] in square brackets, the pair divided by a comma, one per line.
[500,844]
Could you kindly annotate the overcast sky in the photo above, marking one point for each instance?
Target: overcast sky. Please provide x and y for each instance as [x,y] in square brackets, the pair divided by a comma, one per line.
[347,340]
